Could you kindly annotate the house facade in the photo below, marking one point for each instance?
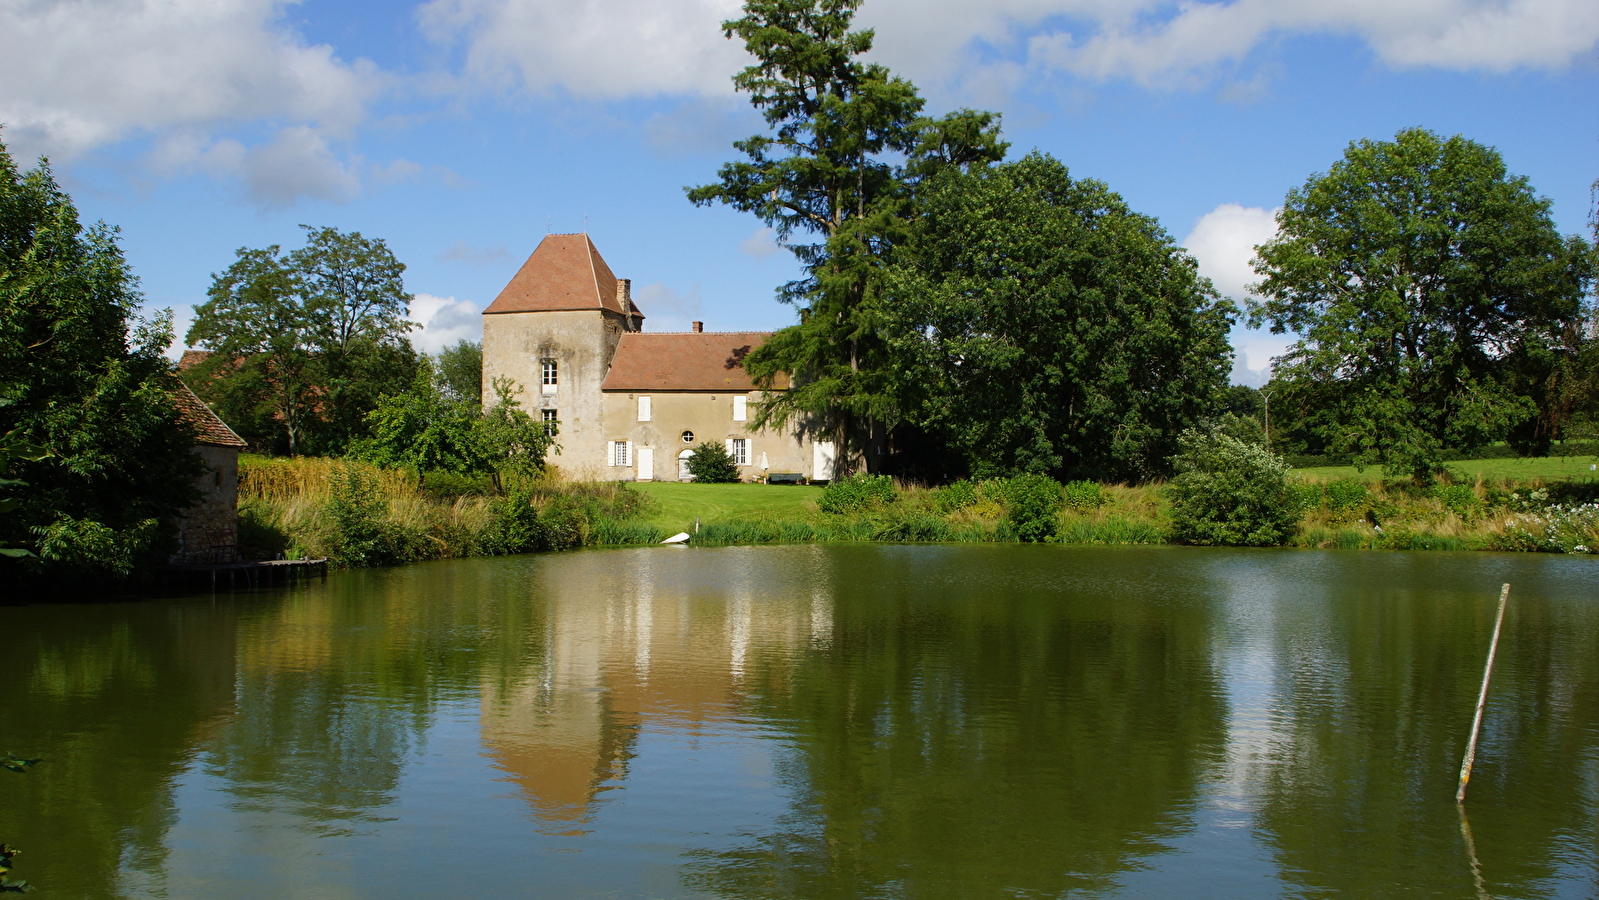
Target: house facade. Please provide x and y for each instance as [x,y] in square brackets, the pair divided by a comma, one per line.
[630,405]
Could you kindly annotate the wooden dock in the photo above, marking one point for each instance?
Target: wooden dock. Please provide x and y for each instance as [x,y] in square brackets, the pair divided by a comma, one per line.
[247,574]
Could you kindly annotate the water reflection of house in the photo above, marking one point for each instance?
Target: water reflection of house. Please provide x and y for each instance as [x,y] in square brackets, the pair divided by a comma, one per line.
[566,726]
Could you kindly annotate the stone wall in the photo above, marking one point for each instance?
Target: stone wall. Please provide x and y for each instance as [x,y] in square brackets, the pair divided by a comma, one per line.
[582,343]
[709,417]
[208,532]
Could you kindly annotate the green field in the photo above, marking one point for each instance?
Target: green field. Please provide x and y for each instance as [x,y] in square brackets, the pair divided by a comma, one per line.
[676,504]
[1551,468]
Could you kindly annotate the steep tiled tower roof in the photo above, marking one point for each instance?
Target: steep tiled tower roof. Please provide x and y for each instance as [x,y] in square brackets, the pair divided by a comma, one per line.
[564,272]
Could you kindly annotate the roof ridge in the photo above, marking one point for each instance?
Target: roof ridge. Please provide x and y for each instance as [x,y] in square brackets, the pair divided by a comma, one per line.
[588,245]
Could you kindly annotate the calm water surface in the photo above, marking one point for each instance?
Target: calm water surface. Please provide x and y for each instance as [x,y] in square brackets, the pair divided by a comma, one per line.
[818,722]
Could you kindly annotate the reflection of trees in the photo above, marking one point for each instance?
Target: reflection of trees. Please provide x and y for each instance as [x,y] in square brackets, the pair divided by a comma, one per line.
[1357,792]
[964,734]
[115,698]
[334,688]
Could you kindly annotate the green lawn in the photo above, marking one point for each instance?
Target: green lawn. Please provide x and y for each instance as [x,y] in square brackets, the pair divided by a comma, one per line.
[677,504]
[1553,468]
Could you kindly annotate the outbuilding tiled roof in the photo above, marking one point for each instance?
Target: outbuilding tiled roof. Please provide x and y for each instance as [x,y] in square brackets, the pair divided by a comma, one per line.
[210,429]
[564,272]
[692,361]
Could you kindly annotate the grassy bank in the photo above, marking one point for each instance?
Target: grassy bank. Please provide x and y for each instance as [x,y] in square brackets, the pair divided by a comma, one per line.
[360,515]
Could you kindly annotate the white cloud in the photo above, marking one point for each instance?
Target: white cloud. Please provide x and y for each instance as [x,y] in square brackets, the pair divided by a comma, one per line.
[761,244]
[624,48]
[297,163]
[78,75]
[598,49]
[666,309]
[444,321]
[1188,47]
[1253,351]
[1224,241]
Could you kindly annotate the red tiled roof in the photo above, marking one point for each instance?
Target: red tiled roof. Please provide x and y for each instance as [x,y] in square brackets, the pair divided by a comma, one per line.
[210,429]
[692,361]
[564,272]
[192,358]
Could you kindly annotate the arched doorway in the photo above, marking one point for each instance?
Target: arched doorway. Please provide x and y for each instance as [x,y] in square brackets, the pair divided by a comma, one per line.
[682,466]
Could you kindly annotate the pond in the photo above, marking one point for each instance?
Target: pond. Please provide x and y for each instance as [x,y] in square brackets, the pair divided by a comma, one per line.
[816,722]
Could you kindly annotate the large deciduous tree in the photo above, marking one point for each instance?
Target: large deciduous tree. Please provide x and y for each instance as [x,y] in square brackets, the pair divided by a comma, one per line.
[1434,297]
[432,428]
[84,387]
[305,344]
[1042,326]
[847,144]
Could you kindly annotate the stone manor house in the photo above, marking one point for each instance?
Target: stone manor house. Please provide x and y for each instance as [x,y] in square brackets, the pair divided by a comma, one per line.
[631,406]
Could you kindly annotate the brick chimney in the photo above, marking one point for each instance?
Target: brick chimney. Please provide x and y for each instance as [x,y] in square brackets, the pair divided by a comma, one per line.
[699,327]
[624,294]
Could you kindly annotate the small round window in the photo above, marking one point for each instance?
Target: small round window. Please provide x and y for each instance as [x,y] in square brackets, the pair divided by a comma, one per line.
[688,437]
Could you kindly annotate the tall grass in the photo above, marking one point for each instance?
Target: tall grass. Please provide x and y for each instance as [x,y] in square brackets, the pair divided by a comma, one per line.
[287,509]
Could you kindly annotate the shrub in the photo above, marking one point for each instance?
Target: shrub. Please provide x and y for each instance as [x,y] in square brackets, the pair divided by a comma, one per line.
[856,493]
[710,463]
[1459,499]
[259,537]
[1032,505]
[513,525]
[1082,496]
[450,485]
[1345,495]
[359,532]
[956,496]
[1554,529]
[1230,493]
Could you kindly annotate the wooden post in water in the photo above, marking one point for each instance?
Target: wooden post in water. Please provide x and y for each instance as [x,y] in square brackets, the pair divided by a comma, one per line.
[1482,699]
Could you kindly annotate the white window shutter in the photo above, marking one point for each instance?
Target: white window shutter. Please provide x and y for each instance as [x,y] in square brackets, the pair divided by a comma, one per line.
[740,408]
[729,445]
[643,409]
[629,460]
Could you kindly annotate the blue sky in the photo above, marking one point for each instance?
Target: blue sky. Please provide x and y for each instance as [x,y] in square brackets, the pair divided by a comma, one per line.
[462,131]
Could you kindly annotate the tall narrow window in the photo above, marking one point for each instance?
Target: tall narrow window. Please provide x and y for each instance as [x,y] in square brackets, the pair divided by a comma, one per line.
[619,453]
[741,408]
[550,373]
[643,409]
[551,416]
[739,449]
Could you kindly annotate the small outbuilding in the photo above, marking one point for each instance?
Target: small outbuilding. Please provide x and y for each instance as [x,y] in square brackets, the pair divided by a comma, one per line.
[208,531]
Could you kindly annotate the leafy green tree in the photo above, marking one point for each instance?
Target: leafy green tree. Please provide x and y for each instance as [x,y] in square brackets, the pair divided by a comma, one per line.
[1432,294]
[1042,326]
[847,145]
[306,343]
[427,429]
[82,378]
[14,449]
[710,463]
[460,370]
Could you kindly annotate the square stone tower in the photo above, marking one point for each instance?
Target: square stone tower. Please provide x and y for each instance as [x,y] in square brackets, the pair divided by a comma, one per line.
[553,331]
